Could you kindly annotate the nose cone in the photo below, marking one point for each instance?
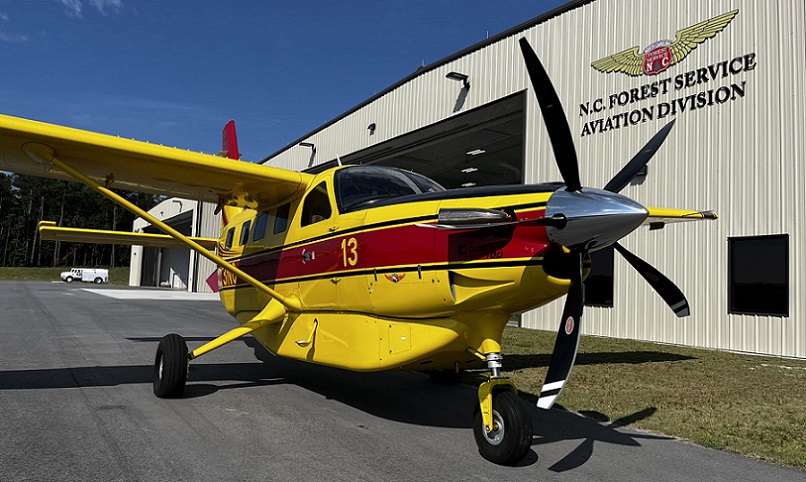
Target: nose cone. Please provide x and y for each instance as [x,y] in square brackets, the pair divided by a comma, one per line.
[594,218]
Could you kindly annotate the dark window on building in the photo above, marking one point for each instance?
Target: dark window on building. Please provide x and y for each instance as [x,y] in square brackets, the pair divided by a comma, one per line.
[317,206]
[245,233]
[281,220]
[599,284]
[260,226]
[758,275]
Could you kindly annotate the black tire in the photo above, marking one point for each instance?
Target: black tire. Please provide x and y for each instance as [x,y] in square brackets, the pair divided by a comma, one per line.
[510,443]
[69,279]
[171,367]
[98,280]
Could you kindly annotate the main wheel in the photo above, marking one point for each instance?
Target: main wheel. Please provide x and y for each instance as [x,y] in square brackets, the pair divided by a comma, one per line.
[171,367]
[98,280]
[511,437]
[69,279]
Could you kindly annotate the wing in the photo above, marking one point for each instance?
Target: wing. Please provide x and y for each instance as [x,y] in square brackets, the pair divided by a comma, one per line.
[140,166]
[659,217]
[689,38]
[630,62]
[50,232]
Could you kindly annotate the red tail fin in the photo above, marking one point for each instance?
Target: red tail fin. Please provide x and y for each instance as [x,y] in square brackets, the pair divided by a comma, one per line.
[229,148]
[229,141]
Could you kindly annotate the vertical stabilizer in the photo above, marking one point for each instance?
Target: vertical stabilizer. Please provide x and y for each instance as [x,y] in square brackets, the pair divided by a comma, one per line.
[229,148]
[229,141]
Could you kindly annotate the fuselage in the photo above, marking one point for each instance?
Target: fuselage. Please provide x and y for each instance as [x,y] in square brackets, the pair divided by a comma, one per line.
[372,270]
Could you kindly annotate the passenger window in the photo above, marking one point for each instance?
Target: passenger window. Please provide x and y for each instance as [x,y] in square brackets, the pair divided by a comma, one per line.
[281,220]
[317,206]
[260,226]
[245,233]
[230,238]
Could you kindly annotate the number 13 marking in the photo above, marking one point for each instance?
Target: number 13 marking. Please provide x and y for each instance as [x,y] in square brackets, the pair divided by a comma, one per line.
[349,249]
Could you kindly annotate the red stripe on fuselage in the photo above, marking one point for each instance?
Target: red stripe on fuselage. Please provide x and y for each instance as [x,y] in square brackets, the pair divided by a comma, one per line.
[406,245]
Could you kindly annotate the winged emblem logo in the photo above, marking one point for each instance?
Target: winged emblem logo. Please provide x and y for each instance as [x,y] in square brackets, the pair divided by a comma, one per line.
[395,278]
[662,54]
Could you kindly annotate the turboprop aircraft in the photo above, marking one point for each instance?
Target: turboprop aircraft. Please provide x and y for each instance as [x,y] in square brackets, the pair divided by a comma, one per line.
[371,268]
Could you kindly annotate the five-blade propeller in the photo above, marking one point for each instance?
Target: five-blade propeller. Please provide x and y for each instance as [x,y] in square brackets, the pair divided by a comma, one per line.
[565,348]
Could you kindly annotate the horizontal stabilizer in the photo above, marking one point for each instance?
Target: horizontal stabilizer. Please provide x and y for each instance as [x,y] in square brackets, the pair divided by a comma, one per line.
[50,232]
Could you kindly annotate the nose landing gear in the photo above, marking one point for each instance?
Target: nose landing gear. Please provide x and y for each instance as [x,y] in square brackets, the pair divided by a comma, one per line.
[502,426]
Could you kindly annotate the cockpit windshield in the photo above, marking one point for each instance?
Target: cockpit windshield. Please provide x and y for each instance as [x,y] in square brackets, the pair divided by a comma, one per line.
[359,187]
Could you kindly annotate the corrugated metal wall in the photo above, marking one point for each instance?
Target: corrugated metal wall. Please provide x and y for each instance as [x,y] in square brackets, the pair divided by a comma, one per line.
[742,158]
[741,154]
[206,225]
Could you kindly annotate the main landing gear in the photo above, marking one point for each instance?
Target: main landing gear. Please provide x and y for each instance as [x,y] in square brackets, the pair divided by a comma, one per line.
[171,367]
[501,424]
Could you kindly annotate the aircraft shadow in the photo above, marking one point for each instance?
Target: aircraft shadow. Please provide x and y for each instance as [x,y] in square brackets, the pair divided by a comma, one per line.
[405,397]
[516,362]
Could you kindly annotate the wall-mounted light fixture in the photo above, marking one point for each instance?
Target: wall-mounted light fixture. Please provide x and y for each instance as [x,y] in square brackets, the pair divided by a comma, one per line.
[463,78]
[307,144]
[371,128]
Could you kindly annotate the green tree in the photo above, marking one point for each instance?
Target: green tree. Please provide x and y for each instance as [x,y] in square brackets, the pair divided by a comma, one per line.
[26,200]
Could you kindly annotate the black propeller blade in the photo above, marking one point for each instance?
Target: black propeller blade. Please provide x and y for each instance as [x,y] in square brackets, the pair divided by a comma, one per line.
[565,348]
[567,343]
[556,124]
[667,290]
[638,162]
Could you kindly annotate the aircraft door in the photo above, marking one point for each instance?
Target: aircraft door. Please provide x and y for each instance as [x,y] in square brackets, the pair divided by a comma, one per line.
[351,282]
[317,254]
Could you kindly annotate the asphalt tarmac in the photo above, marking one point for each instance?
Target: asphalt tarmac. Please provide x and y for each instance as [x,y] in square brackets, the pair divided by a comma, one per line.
[76,404]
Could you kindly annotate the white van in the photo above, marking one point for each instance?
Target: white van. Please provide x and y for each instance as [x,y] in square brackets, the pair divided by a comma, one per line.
[86,275]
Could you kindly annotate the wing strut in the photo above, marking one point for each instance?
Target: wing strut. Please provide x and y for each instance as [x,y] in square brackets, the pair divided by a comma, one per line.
[46,155]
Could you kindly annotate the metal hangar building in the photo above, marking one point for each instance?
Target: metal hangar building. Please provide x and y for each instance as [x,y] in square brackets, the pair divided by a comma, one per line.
[729,74]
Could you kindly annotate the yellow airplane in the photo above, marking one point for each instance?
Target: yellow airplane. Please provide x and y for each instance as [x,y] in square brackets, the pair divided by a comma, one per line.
[371,268]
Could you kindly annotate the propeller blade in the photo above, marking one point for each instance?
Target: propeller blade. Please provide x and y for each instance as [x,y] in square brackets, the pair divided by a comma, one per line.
[565,348]
[667,290]
[556,123]
[638,162]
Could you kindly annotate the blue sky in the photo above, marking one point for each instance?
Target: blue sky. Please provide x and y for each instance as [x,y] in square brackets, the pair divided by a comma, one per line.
[174,72]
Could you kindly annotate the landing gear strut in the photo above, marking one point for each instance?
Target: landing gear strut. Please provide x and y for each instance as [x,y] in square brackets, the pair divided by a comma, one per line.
[502,426]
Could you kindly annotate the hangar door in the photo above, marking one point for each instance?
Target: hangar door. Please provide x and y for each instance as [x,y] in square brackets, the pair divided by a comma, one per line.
[481,147]
[167,267]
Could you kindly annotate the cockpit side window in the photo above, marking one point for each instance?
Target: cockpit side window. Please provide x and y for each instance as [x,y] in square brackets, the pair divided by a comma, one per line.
[230,238]
[316,207]
[260,226]
[281,220]
[245,233]
[360,187]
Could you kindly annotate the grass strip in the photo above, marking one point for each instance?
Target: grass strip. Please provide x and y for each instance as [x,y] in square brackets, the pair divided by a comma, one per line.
[741,403]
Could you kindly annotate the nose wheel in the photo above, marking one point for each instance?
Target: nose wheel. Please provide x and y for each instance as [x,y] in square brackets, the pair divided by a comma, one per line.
[509,438]
[502,426]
